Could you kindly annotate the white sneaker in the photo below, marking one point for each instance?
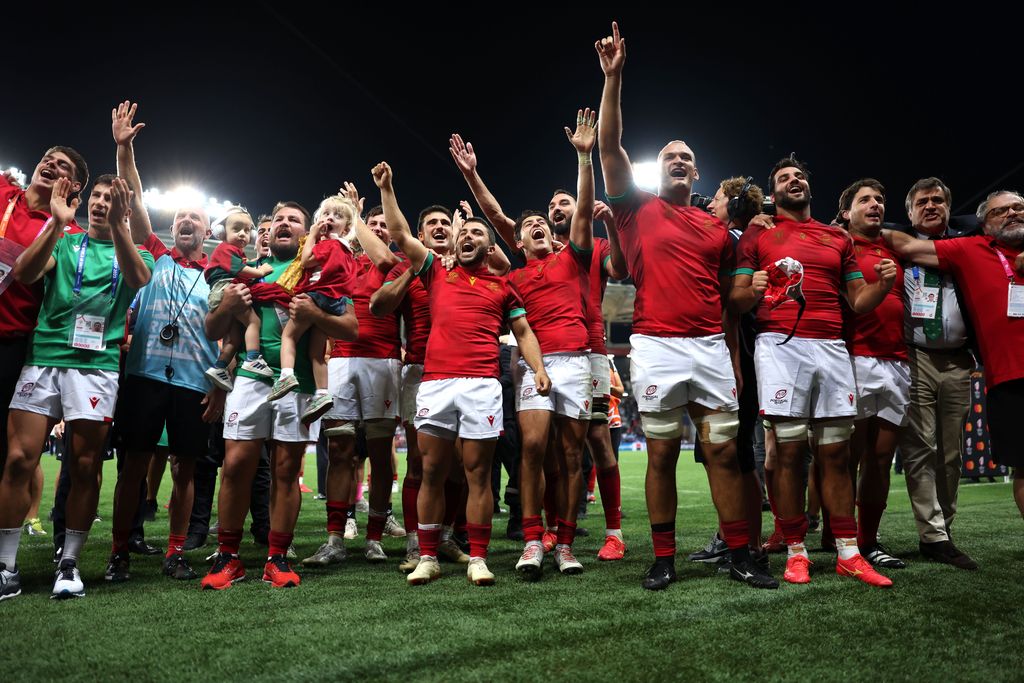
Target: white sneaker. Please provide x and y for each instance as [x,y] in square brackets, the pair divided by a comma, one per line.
[451,551]
[351,529]
[426,571]
[478,574]
[394,486]
[10,582]
[392,528]
[67,582]
[290,554]
[375,553]
[331,552]
[221,378]
[530,562]
[258,366]
[412,558]
[567,562]
[363,505]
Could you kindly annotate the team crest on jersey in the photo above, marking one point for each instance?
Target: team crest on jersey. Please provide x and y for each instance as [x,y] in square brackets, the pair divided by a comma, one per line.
[26,389]
[452,276]
[802,235]
[779,236]
[825,238]
[490,420]
[493,286]
[423,412]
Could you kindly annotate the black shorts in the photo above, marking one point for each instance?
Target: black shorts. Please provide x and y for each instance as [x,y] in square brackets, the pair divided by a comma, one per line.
[143,405]
[327,304]
[1005,403]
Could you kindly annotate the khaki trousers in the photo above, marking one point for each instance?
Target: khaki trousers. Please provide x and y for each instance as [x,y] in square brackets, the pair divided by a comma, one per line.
[931,445]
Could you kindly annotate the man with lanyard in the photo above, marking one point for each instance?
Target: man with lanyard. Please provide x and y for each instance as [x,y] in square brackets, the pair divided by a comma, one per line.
[983,266]
[938,345]
[250,419]
[683,344]
[23,214]
[164,369]
[71,369]
[606,261]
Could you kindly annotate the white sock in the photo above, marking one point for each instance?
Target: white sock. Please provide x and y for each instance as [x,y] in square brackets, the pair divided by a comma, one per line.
[446,533]
[412,541]
[847,548]
[73,542]
[319,392]
[617,533]
[287,372]
[798,549]
[9,540]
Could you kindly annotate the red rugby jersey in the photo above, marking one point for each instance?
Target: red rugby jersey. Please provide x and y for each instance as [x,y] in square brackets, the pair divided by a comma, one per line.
[878,333]
[336,274]
[675,255]
[415,311]
[598,282]
[378,337]
[468,309]
[826,253]
[555,289]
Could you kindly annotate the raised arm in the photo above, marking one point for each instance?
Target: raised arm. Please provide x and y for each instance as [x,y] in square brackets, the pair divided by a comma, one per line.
[581,230]
[618,174]
[134,270]
[616,266]
[37,260]
[398,227]
[921,252]
[124,130]
[375,249]
[465,158]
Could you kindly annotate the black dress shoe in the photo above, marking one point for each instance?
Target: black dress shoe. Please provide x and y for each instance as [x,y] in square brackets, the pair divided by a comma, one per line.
[947,553]
[176,567]
[140,547]
[193,541]
[659,576]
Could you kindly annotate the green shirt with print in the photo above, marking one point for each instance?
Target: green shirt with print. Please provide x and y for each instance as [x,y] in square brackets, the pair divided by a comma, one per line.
[51,342]
[272,320]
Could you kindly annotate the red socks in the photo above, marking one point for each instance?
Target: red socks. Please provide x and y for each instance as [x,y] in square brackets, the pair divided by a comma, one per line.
[337,511]
[430,537]
[611,496]
[844,527]
[566,532]
[735,534]
[279,542]
[228,541]
[664,537]
[175,545]
[375,526]
[410,491]
[533,530]
[479,539]
[794,529]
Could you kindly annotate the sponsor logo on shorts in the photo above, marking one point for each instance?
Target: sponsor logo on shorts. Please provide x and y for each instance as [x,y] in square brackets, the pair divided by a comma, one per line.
[595,383]
[850,396]
[586,404]
[734,392]
[233,418]
[781,396]
[26,389]
[93,400]
[650,390]
[490,419]
[387,403]
[423,412]
[527,392]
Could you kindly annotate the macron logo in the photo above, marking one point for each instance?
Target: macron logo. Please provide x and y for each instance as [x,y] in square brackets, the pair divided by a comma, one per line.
[490,419]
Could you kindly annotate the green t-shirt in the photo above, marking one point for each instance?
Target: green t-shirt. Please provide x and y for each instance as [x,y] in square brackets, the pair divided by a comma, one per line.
[51,342]
[272,319]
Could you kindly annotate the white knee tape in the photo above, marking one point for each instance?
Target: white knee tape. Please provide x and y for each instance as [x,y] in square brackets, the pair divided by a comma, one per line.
[667,424]
[832,431]
[344,429]
[790,430]
[717,428]
[380,429]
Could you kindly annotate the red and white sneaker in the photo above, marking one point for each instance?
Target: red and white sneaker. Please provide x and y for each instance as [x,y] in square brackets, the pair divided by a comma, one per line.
[549,540]
[613,549]
[861,569]
[304,489]
[798,569]
[226,570]
[278,573]
[775,543]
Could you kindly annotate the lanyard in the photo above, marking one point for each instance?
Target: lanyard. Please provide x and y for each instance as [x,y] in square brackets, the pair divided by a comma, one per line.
[7,217]
[115,271]
[1005,264]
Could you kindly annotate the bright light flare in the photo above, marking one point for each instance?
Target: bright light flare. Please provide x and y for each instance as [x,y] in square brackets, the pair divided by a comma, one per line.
[17,174]
[184,195]
[647,175]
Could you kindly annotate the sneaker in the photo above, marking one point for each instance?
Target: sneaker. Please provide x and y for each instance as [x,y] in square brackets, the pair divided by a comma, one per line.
[813,523]
[394,486]
[614,548]
[282,386]
[715,552]
[859,568]
[798,569]
[374,552]
[549,540]
[177,568]
[226,570]
[331,552]
[591,498]
[363,505]
[278,573]
[660,575]
[478,574]
[450,551]
[304,489]
[531,561]
[10,582]
[290,553]
[351,528]
[221,378]
[879,556]
[67,582]
[775,543]
[118,567]
[258,366]
[317,408]
[392,528]
[34,527]
[412,559]
[566,561]
[751,573]
[319,496]
[426,571]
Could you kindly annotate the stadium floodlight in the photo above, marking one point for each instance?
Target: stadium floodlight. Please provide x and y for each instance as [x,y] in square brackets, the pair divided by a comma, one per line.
[647,175]
[184,195]
[17,174]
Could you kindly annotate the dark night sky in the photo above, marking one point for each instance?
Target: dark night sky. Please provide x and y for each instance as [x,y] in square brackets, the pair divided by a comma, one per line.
[245,108]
